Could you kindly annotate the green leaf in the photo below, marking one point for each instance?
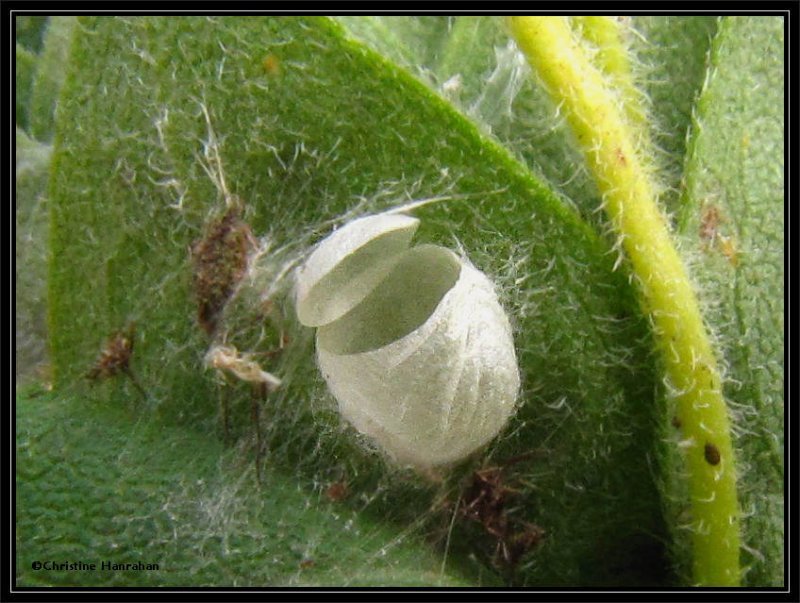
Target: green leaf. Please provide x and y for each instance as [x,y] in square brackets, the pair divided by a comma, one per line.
[414,42]
[25,67]
[478,68]
[28,32]
[309,125]
[732,225]
[112,485]
[49,76]
[672,60]
[491,84]
[41,54]
[30,238]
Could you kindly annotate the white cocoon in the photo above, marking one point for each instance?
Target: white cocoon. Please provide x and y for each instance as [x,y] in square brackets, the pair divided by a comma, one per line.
[425,363]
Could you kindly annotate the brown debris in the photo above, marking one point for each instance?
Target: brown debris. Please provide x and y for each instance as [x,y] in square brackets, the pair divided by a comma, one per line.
[220,262]
[486,501]
[337,491]
[709,223]
[712,237]
[115,357]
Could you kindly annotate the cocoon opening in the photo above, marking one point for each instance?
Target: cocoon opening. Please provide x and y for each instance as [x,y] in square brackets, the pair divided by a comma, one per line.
[346,266]
[399,304]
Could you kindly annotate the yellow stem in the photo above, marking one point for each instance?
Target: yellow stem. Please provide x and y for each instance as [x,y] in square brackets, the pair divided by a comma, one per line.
[613,59]
[600,124]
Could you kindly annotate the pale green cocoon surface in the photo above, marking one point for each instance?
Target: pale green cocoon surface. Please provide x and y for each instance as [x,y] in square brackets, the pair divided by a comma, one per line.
[424,363]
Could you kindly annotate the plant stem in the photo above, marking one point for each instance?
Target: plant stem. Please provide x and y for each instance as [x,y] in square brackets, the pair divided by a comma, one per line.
[601,124]
[613,60]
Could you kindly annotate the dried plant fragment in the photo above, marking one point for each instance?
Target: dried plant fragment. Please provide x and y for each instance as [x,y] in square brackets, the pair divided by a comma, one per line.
[486,501]
[220,262]
[115,358]
[228,358]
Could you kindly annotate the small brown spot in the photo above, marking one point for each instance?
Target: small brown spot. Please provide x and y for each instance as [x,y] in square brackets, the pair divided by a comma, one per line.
[712,454]
[727,246]
[337,491]
[676,422]
[621,157]
[709,222]
[272,65]
[306,563]
[115,357]
[710,232]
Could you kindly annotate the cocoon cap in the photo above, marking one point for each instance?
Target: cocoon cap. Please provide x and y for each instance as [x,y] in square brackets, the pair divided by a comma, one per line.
[347,265]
